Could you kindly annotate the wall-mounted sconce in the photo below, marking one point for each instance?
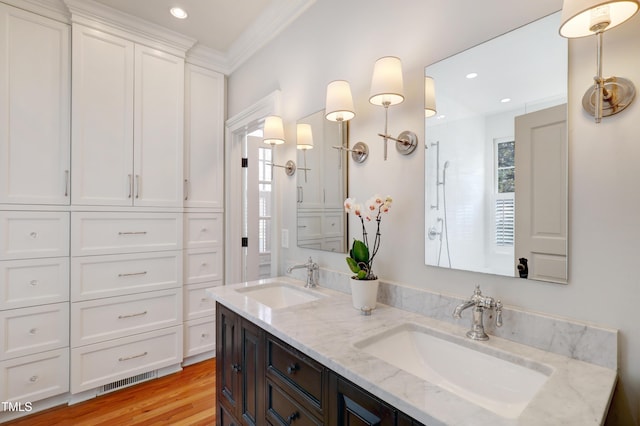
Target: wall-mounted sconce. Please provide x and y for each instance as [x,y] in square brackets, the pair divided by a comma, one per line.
[273,134]
[387,90]
[582,18]
[339,108]
[429,97]
[304,142]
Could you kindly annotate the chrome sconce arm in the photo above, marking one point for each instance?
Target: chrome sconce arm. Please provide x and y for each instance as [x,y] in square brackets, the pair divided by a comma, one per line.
[359,152]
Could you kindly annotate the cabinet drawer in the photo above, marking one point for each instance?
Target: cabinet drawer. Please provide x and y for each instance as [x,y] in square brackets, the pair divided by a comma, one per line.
[203,230]
[199,336]
[284,410]
[333,224]
[95,233]
[35,377]
[294,369]
[33,282]
[116,275]
[27,235]
[197,303]
[201,265]
[102,319]
[36,329]
[102,363]
[309,225]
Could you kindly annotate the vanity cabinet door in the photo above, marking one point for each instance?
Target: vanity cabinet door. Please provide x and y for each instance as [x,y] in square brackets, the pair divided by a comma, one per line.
[227,359]
[240,368]
[352,406]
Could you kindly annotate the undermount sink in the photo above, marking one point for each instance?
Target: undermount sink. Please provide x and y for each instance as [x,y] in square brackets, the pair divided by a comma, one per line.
[499,382]
[279,295]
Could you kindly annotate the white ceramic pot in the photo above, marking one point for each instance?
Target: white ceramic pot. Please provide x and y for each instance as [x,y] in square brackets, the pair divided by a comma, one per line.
[364,293]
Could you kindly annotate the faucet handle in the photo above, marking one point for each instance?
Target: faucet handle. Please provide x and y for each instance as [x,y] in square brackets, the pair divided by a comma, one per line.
[499,313]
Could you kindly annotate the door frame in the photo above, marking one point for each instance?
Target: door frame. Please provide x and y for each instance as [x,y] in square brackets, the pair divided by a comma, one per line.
[235,129]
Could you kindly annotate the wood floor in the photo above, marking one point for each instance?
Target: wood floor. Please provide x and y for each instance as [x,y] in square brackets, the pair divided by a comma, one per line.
[186,398]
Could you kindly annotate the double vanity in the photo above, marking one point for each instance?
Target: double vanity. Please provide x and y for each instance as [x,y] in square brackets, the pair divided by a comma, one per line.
[294,355]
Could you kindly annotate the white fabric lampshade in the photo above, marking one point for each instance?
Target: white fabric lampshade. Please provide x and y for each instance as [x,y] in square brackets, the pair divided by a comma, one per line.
[579,16]
[304,136]
[429,97]
[339,102]
[386,83]
[273,132]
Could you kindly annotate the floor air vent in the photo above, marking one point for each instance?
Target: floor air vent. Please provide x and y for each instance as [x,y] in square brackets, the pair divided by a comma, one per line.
[129,381]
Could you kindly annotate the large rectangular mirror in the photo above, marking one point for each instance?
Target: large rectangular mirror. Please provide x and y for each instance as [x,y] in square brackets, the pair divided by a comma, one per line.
[496,160]
[322,186]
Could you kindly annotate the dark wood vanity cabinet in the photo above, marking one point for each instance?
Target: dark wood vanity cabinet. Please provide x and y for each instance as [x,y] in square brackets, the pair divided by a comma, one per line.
[263,380]
[239,369]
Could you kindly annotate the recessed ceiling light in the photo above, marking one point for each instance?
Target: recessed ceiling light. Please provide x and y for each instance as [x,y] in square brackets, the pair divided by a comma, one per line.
[178,12]
[472,75]
[505,100]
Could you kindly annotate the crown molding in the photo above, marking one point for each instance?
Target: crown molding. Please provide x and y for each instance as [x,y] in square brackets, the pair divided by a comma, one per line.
[266,27]
[208,58]
[99,16]
[54,9]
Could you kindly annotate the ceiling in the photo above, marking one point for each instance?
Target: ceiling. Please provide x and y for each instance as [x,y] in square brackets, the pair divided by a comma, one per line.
[214,23]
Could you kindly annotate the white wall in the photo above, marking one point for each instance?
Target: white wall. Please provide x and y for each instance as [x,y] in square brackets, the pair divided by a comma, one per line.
[338,39]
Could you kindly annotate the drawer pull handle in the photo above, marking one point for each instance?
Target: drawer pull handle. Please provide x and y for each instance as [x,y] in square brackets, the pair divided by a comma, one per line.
[302,226]
[205,335]
[33,235]
[292,417]
[130,186]
[204,299]
[33,282]
[236,368]
[133,233]
[66,183]
[131,274]
[292,368]
[204,229]
[127,358]
[204,264]
[33,331]
[138,314]
[33,379]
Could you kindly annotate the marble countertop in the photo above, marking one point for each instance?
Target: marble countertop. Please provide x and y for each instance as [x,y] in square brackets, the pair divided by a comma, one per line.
[576,392]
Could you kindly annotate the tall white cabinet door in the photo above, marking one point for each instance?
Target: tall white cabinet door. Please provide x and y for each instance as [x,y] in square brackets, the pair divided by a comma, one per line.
[159,118]
[204,135]
[102,129]
[34,108]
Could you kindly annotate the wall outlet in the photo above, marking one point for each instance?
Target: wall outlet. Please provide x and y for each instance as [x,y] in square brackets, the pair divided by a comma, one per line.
[284,238]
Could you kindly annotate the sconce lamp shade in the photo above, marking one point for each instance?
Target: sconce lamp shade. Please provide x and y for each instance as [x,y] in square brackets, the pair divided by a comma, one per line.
[582,18]
[339,103]
[273,132]
[429,97]
[304,136]
[386,83]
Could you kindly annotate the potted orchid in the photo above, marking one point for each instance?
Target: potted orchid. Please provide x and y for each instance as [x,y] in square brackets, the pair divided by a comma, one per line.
[364,284]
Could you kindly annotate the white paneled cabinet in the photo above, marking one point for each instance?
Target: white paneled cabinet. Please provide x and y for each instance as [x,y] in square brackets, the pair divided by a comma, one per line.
[127,131]
[34,88]
[204,134]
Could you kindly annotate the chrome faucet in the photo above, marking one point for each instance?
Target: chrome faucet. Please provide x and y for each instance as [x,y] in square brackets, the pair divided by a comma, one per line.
[479,303]
[312,272]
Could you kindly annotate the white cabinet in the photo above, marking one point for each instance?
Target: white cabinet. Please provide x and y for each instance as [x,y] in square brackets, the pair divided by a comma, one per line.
[34,108]
[204,135]
[127,130]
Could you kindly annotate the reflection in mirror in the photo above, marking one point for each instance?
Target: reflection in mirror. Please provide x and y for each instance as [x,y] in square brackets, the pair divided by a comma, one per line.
[496,163]
[322,187]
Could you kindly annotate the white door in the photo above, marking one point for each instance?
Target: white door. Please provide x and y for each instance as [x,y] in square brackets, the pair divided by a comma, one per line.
[34,108]
[159,126]
[258,196]
[204,161]
[541,193]
[102,128]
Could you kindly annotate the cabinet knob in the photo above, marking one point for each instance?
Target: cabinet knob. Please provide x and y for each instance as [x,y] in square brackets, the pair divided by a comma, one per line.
[204,335]
[292,417]
[236,368]
[33,235]
[33,282]
[33,379]
[33,331]
[292,368]
[204,229]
